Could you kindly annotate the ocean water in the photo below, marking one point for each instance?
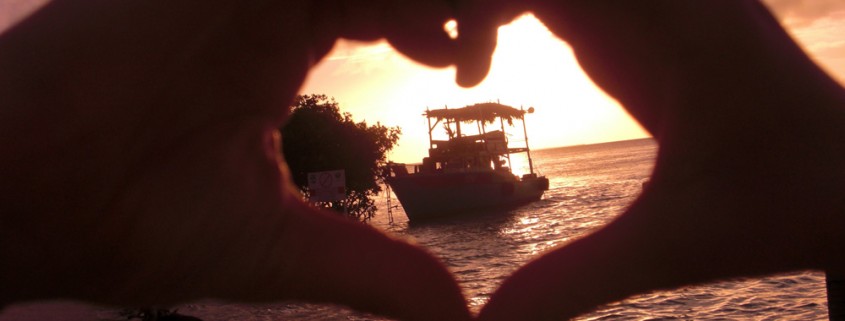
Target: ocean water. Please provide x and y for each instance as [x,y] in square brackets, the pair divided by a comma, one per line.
[589,186]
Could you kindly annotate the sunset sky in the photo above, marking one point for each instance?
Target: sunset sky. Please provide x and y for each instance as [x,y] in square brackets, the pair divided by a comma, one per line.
[530,68]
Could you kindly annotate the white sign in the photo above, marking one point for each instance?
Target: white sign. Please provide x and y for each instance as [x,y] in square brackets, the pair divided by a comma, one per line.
[328,186]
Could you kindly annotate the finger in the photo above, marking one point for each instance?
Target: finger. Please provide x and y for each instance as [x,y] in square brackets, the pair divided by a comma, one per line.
[655,58]
[605,266]
[477,37]
[478,23]
[177,204]
[416,29]
[348,263]
[710,213]
[621,46]
[562,284]
[736,204]
[645,249]
[258,241]
[217,218]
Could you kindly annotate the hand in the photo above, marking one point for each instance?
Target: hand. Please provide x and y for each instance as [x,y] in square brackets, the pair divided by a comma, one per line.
[749,175]
[140,161]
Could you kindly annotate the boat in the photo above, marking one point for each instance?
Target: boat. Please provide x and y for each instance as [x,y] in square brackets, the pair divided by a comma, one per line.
[463,173]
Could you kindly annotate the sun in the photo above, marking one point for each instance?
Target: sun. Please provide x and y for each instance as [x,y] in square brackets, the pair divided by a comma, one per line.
[531,67]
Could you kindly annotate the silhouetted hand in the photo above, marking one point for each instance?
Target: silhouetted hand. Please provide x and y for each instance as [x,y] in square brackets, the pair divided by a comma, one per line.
[749,177]
[140,163]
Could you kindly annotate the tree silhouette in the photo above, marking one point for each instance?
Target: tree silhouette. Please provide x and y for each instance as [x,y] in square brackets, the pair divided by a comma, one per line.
[318,137]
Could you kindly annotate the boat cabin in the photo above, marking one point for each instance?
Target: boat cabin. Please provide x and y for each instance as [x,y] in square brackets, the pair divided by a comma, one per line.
[487,148]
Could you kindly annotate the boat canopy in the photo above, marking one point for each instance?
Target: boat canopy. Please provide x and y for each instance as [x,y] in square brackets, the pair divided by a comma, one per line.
[487,112]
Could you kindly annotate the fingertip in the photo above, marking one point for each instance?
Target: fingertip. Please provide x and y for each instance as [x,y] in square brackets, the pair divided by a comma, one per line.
[477,39]
[416,29]
[431,47]
[472,66]
[474,58]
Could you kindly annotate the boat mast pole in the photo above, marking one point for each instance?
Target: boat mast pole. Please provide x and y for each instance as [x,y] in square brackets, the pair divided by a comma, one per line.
[482,124]
[428,118]
[507,145]
[527,150]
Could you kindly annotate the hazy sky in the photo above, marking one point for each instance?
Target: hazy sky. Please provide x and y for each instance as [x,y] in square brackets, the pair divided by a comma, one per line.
[530,68]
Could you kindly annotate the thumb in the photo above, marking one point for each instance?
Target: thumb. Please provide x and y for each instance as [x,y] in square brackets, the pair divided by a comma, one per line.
[478,23]
[340,261]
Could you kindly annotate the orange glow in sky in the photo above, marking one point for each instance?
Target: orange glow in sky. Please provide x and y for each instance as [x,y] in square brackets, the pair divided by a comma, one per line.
[531,68]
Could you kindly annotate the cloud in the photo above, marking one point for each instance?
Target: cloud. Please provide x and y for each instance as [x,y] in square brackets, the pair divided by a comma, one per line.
[817,25]
[802,13]
[365,59]
[12,11]
[356,50]
[834,50]
[823,38]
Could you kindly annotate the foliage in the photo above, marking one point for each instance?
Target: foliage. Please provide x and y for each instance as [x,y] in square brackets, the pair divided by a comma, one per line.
[318,137]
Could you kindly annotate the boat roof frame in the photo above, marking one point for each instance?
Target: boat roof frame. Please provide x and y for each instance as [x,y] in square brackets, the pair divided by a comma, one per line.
[481,112]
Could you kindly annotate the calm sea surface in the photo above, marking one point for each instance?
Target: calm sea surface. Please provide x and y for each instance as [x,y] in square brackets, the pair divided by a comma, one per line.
[590,185]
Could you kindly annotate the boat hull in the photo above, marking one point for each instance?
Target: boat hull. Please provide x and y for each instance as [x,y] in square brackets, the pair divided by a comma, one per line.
[431,196]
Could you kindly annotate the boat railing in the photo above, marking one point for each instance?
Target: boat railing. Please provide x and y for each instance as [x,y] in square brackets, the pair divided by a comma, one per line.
[392,169]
